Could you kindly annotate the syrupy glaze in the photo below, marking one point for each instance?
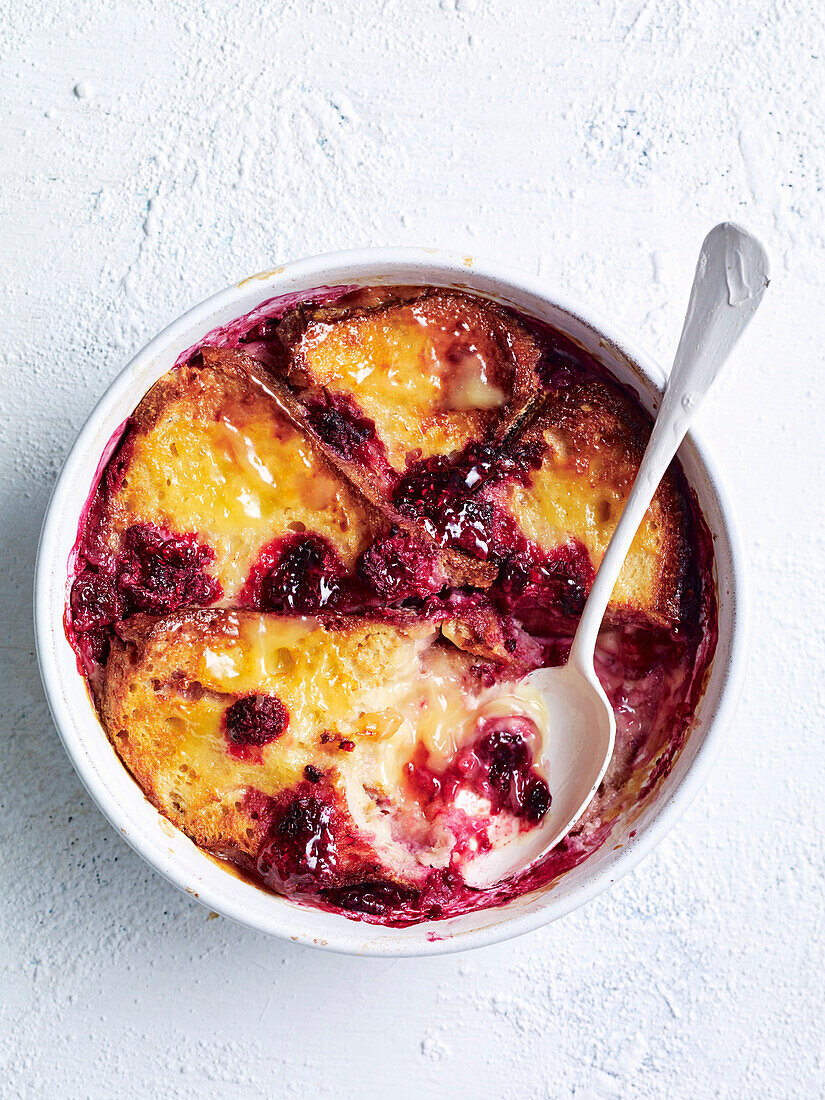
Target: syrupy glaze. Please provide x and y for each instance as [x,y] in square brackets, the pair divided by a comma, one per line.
[654,677]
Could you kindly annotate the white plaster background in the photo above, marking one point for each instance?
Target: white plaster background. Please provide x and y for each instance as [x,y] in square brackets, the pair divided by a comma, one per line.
[154,152]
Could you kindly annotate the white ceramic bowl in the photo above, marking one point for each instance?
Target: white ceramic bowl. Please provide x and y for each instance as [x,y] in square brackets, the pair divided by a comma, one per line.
[173,854]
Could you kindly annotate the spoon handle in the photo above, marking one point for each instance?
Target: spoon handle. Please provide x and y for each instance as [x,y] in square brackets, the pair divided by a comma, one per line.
[731,277]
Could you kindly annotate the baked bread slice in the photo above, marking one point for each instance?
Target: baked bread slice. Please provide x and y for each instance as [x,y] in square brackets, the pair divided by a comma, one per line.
[402,381]
[542,505]
[590,439]
[210,453]
[229,720]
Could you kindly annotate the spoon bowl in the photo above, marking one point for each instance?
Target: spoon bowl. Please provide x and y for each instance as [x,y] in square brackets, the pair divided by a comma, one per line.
[576,748]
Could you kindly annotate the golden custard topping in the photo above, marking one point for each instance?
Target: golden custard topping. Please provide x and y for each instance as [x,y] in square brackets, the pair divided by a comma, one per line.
[325,551]
[432,374]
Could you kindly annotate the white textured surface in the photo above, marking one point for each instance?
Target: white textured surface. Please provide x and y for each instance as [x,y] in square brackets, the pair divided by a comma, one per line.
[153,153]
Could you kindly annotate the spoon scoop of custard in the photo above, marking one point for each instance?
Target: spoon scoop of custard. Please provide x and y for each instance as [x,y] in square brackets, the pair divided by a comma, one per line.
[579,729]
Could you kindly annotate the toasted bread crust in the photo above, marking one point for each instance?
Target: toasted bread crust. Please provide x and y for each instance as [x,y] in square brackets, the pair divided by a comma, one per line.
[170,680]
[589,430]
[213,452]
[459,569]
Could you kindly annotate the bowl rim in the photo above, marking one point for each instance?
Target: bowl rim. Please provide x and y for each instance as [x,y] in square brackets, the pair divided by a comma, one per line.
[347,936]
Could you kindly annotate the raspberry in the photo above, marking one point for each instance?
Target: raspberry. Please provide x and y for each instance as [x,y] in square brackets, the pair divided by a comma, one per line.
[375,898]
[300,851]
[400,567]
[155,571]
[160,572]
[338,423]
[498,766]
[96,601]
[256,720]
[304,577]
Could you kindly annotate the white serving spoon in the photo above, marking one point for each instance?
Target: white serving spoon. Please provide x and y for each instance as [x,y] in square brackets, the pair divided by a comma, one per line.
[577,742]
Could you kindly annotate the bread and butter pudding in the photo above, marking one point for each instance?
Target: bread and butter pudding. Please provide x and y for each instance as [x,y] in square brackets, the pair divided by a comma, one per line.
[325,547]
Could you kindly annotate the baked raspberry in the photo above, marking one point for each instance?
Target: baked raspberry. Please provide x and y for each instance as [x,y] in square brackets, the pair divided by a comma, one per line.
[155,571]
[96,601]
[338,423]
[498,766]
[375,898]
[560,578]
[160,572]
[254,721]
[510,781]
[436,491]
[295,573]
[300,851]
[401,567]
[447,494]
